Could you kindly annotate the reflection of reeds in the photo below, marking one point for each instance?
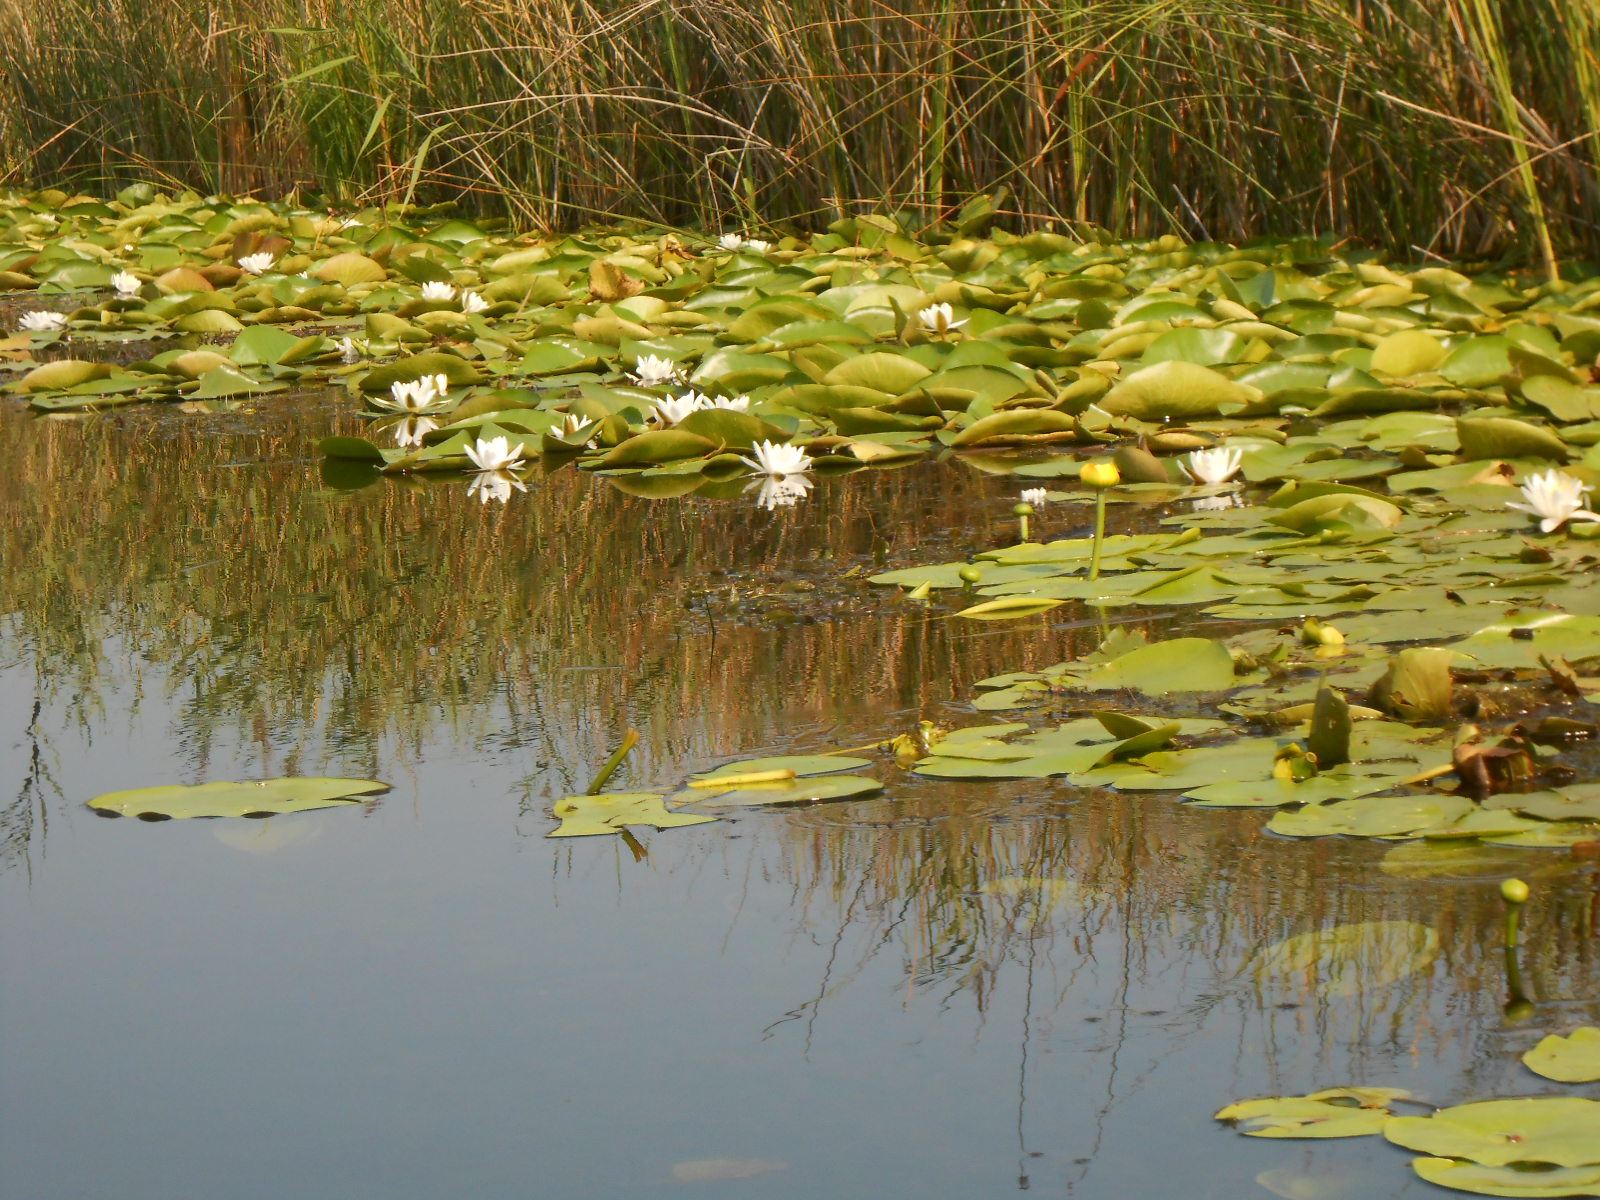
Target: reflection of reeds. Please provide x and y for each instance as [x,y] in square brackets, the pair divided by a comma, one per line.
[314,626]
[1421,122]
[1136,888]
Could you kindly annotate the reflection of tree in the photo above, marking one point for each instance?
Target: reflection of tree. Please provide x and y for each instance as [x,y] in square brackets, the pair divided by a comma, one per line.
[29,809]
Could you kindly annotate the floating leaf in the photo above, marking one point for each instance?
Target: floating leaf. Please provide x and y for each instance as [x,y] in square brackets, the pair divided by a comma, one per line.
[1572,1059]
[1180,665]
[1508,1181]
[792,791]
[1334,1113]
[1009,606]
[610,813]
[1561,1130]
[801,764]
[235,799]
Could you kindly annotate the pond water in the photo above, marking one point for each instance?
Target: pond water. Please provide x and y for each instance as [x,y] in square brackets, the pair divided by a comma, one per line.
[955,990]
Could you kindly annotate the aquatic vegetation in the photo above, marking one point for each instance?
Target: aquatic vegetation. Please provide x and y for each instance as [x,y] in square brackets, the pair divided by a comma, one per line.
[1214,466]
[777,461]
[258,799]
[1540,1146]
[802,779]
[1571,1059]
[495,454]
[1555,498]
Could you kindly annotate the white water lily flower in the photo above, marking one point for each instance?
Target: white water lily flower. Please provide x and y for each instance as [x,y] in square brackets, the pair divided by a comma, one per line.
[257,264]
[495,485]
[471,302]
[1555,498]
[574,427]
[126,283]
[435,290]
[675,408]
[350,350]
[496,454]
[424,395]
[1217,465]
[42,320]
[778,460]
[940,318]
[408,433]
[735,403]
[730,241]
[1035,496]
[782,491]
[652,370]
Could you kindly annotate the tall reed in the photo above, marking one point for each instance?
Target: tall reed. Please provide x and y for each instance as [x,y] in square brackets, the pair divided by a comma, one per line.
[1451,127]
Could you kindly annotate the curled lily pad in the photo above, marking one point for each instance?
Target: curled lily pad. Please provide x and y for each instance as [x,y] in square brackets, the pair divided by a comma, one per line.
[1572,1059]
[234,799]
[784,791]
[1332,1113]
[800,764]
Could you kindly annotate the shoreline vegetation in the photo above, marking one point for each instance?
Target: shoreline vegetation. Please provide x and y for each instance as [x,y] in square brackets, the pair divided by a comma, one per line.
[1455,128]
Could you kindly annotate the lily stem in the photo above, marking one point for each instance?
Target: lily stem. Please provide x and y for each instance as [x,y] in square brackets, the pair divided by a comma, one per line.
[629,741]
[1099,532]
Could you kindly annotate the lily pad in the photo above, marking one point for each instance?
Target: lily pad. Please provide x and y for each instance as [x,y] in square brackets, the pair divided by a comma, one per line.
[1333,1113]
[610,813]
[1561,1130]
[1571,1059]
[1508,1181]
[235,799]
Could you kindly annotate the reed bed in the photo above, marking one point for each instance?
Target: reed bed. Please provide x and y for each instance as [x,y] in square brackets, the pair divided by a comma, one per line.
[1462,128]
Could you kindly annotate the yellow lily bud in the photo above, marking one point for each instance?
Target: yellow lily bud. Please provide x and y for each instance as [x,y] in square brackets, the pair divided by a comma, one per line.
[1100,474]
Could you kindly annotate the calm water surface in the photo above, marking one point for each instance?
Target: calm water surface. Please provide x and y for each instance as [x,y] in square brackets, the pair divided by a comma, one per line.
[423,997]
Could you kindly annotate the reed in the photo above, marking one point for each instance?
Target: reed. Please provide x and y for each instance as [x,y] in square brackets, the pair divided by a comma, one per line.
[1451,127]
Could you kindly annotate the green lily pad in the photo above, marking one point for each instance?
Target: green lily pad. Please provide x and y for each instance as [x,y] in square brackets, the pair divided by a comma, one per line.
[1179,665]
[610,813]
[1176,390]
[234,799]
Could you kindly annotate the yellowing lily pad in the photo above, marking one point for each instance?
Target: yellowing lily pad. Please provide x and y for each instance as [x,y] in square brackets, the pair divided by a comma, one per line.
[1572,1059]
[1508,1181]
[1333,1113]
[1561,1130]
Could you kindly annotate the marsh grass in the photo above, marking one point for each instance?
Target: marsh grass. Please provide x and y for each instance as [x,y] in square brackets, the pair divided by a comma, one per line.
[1461,128]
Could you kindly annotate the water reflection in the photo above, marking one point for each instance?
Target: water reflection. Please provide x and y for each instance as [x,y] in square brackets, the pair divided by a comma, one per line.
[951,991]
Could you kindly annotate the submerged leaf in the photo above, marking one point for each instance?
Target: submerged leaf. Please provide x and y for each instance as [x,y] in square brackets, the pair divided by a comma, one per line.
[1349,959]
